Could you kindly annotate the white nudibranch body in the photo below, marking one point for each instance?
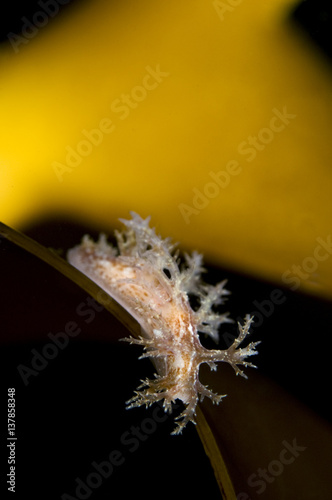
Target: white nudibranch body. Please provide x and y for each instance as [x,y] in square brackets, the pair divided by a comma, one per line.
[144,276]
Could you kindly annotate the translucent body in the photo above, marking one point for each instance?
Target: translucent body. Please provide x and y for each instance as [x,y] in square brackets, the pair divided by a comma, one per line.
[144,276]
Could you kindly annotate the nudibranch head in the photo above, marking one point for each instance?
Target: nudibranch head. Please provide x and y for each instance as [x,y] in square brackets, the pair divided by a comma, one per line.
[144,275]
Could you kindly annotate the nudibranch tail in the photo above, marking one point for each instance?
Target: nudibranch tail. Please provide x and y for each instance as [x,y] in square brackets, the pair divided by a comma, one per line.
[145,276]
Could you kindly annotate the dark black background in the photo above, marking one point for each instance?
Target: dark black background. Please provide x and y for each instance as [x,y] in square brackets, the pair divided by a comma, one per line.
[73,412]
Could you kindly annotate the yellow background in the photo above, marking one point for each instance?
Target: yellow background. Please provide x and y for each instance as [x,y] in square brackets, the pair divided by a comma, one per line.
[227,72]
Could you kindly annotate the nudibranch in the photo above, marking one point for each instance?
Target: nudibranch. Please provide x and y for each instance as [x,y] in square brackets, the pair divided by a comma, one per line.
[145,276]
